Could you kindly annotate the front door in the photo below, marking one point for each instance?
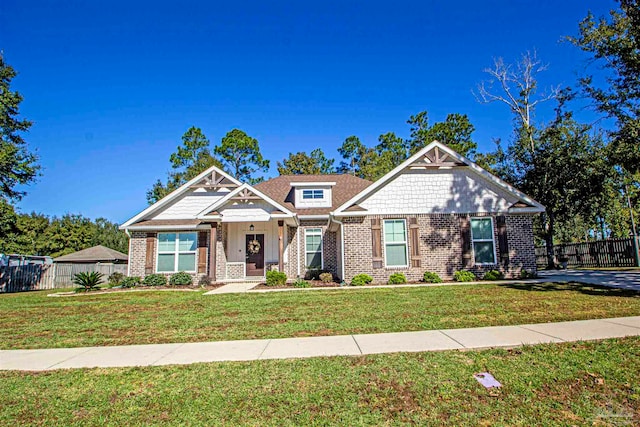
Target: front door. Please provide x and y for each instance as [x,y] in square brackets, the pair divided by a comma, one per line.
[254,248]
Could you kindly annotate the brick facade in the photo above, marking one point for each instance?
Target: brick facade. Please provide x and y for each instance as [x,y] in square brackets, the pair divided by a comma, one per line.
[440,240]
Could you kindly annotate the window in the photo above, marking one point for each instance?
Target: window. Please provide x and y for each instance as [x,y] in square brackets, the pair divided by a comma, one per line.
[176,252]
[395,243]
[482,238]
[313,194]
[313,248]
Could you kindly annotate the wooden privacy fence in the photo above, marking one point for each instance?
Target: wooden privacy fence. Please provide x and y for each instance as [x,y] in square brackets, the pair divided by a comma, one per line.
[66,271]
[599,253]
[27,277]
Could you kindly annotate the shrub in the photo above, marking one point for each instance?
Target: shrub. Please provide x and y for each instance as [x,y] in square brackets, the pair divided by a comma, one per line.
[155,280]
[526,274]
[180,279]
[464,276]
[361,280]
[493,275]
[326,277]
[276,278]
[204,281]
[431,277]
[130,282]
[314,274]
[88,281]
[397,279]
[301,284]
[115,278]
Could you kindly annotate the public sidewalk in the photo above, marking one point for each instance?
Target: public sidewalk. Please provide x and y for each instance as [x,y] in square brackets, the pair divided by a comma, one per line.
[343,345]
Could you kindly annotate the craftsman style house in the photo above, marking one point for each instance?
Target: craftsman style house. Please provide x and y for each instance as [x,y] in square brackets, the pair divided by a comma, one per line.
[437,211]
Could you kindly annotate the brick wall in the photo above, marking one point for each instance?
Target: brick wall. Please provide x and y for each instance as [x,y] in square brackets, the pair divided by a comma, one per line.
[137,253]
[440,243]
[329,248]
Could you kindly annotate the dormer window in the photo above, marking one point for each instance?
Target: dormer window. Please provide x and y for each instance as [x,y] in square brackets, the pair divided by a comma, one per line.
[312,194]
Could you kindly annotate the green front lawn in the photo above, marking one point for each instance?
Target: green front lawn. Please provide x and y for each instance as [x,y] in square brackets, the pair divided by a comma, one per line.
[593,383]
[33,320]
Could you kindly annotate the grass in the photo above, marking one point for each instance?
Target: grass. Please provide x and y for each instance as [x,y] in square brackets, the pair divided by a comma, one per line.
[592,383]
[33,320]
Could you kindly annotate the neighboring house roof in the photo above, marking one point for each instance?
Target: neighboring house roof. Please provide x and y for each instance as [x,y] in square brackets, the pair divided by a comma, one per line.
[280,190]
[425,159]
[94,254]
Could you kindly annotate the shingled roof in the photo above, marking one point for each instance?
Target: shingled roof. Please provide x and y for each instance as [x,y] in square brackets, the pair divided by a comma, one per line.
[280,190]
[94,254]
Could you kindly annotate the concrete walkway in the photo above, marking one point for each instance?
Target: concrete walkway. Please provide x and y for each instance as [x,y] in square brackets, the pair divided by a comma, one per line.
[343,345]
[614,279]
[233,288]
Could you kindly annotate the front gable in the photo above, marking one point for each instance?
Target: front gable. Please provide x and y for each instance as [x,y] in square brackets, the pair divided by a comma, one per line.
[438,180]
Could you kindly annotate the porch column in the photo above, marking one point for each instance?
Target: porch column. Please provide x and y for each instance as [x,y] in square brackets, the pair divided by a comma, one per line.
[281,245]
[213,248]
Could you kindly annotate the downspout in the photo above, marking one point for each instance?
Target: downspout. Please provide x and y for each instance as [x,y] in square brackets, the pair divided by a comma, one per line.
[298,250]
[126,231]
[341,246]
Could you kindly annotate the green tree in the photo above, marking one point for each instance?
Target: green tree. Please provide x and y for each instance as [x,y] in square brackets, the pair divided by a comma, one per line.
[241,155]
[563,164]
[614,43]
[352,151]
[190,159]
[106,233]
[18,166]
[301,163]
[455,132]
[8,225]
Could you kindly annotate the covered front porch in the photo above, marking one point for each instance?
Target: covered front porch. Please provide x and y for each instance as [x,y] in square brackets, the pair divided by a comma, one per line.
[251,248]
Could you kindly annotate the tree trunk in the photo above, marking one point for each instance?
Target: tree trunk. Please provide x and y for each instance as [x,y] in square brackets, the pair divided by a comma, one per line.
[548,227]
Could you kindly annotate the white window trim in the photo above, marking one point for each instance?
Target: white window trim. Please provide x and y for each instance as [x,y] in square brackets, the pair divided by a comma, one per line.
[313,232]
[492,240]
[313,192]
[176,252]
[405,243]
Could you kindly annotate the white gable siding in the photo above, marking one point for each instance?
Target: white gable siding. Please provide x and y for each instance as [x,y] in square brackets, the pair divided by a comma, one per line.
[189,205]
[455,190]
[239,212]
[302,203]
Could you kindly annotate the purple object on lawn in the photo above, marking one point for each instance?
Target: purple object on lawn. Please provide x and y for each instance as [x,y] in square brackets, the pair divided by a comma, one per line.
[487,380]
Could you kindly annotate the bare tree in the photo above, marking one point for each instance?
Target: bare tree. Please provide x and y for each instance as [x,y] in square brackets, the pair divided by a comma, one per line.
[517,88]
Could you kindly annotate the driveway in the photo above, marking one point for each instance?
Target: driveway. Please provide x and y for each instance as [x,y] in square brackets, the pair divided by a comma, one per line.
[615,279]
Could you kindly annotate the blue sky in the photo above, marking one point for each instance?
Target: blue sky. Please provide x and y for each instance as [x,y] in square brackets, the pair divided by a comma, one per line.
[112,86]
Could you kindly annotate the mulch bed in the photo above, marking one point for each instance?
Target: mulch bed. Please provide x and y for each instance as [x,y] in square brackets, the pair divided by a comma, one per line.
[313,283]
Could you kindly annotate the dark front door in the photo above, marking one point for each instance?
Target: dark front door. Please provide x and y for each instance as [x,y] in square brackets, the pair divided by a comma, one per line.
[254,248]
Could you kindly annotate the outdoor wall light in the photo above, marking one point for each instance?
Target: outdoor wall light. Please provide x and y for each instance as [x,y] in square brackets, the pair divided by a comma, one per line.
[251,227]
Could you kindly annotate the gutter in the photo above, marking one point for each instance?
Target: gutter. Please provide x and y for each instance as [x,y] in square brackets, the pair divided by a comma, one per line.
[126,231]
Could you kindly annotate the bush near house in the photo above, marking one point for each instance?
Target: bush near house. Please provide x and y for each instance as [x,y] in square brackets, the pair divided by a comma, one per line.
[397,279]
[204,281]
[314,274]
[326,277]
[115,278]
[464,276]
[301,284]
[361,280]
[130,282]
[88,281]
[430,277]
[155,280]
[276,278]
[526,274]
[180,279]
[493,275]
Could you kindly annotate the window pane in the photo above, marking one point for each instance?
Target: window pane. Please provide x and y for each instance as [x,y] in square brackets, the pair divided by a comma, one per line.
[314,243]
[166,262]
[167,242]
[483,252]
[307,194]
[187,262]
[314,260]
[187,242]
[396,255]
[394,231]
[481,228]
[318,194]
